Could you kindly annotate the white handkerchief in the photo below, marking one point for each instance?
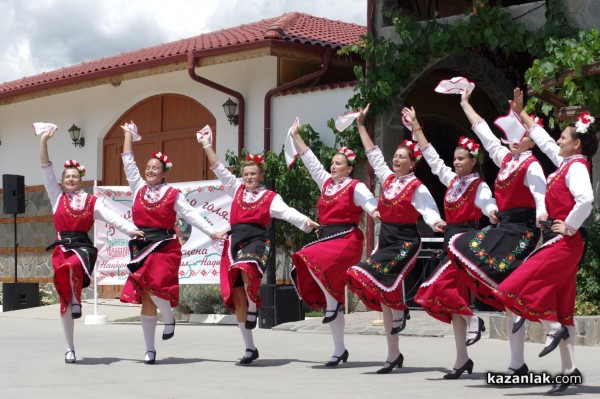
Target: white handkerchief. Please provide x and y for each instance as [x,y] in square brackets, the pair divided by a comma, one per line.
[408,125]
[289,150]
[455,85]
[134,131]
[344,121]
[40,128]
[203,132]
[512,127]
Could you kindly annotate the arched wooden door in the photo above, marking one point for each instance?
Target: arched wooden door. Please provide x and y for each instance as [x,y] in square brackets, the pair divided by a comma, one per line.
[167,122]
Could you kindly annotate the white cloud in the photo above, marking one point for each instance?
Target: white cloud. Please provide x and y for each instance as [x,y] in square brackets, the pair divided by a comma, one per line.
[43,35]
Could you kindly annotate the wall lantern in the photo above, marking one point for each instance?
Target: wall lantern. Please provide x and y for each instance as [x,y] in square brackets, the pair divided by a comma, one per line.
[230,107]
[75,133]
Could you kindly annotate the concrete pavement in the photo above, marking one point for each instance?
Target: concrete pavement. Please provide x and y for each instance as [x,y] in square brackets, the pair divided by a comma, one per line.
[201,361]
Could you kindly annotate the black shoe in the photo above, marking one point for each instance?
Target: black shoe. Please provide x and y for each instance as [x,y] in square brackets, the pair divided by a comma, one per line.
[518,324]
[556,388]
[561,333]
[329,319]
[402,326]
[387,369]
[251,325]
[456,373]
[150,359]
[69,360]
[343,358]
[76,310]
[169,335]
[249,359]
[481,329]
[523,370]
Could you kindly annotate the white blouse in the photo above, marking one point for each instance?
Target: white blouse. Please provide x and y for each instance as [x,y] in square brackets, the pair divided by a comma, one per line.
[577,178]
[362,196]
[77,201]
[278,210]
[483,197]
[155,193]
[534,177]
[421,200]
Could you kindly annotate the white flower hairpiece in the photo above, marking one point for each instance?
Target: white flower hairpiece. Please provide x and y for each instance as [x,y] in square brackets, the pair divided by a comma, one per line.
[584,120]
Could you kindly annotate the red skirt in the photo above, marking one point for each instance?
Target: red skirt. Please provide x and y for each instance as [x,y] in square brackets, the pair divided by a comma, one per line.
[68,269]
[445,292]
[159,276]
[543,287]
[328,260]
[230,275]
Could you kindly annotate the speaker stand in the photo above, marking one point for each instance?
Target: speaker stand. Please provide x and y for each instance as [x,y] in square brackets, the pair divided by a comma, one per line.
[14,293]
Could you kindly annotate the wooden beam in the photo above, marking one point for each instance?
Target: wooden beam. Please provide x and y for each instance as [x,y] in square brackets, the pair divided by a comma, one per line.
[548,83]
[571,113]
[42,280]
[24,250]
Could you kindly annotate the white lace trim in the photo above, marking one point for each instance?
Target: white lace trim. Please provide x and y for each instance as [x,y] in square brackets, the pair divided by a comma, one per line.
[437,274]
[336,185]
[397,185]
[513,164]
[459,186]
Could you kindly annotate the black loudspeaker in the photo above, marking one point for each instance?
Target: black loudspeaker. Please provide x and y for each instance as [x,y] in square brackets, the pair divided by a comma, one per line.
[17,296]
[281,304]
[14,193]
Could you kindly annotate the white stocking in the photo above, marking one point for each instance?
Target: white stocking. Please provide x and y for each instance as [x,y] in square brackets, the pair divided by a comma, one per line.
[393,349]
[167,313]
[330,300]
[337,333]
[247,337]
[516,342]
[567,351]
[459,326]
[149,329]
[68,325]
[551,327]
[472,325]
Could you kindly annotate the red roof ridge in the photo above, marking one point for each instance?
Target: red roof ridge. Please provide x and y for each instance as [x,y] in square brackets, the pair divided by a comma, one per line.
[279,27]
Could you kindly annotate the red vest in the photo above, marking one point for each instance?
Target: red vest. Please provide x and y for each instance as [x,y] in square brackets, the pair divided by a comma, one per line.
[399,209]
[160,215]
[559,200]
[512,192]
[69,219]
[464,208]
[255,213]
[339,208]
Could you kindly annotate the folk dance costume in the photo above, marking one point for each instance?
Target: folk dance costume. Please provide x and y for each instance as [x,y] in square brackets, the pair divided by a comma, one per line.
[74,254]
[248,249]
[378,280]
[446,292]
[155,260]
[543,287]
[493,253]
[319,268]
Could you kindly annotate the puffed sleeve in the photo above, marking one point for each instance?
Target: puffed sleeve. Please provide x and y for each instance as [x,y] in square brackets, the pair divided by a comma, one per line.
[51,184]
[192,216]
[578,182]
[426,206]
[375,157]
[545,143]
[108,216]
[229,181]
[536,182]
[316,170]
[364,198]
[484,199]
[437,165]
[132,172]
[280,210]
[491,143]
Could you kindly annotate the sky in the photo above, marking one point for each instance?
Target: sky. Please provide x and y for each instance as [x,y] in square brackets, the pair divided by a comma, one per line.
[43,35]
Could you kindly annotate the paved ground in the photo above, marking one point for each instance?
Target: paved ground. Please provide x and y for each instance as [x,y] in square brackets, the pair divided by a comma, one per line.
[201,361]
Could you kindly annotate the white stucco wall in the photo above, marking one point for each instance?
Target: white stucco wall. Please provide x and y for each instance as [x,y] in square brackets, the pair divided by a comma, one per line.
[96,109]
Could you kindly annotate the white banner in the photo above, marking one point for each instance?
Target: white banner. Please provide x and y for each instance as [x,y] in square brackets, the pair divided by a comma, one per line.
[201,256]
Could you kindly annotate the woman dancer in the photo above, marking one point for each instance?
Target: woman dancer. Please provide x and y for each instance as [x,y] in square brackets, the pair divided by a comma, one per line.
[74,255]
[445,295]
[320,267]
[153,280]
[378,280]
[248,249]
[490,255]
[543,287]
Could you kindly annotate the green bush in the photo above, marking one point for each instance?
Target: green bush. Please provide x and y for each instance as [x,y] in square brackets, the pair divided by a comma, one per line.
[201,298]
[588,276]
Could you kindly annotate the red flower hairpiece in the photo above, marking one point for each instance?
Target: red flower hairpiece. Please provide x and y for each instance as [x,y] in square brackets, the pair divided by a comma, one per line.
[414,148]
[256,158]
[71,163]
[351,155]
[584,120]
[167,164]
[469,145]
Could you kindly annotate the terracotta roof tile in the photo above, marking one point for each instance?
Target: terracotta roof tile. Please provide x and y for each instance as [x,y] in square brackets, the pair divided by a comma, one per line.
[293,27]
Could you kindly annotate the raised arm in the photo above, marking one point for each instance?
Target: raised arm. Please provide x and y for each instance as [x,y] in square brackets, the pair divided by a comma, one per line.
[50,183]
[298,142]
[229,181]
[132,173]
[314,166]
[205,140]
[411,116]
[362,130]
